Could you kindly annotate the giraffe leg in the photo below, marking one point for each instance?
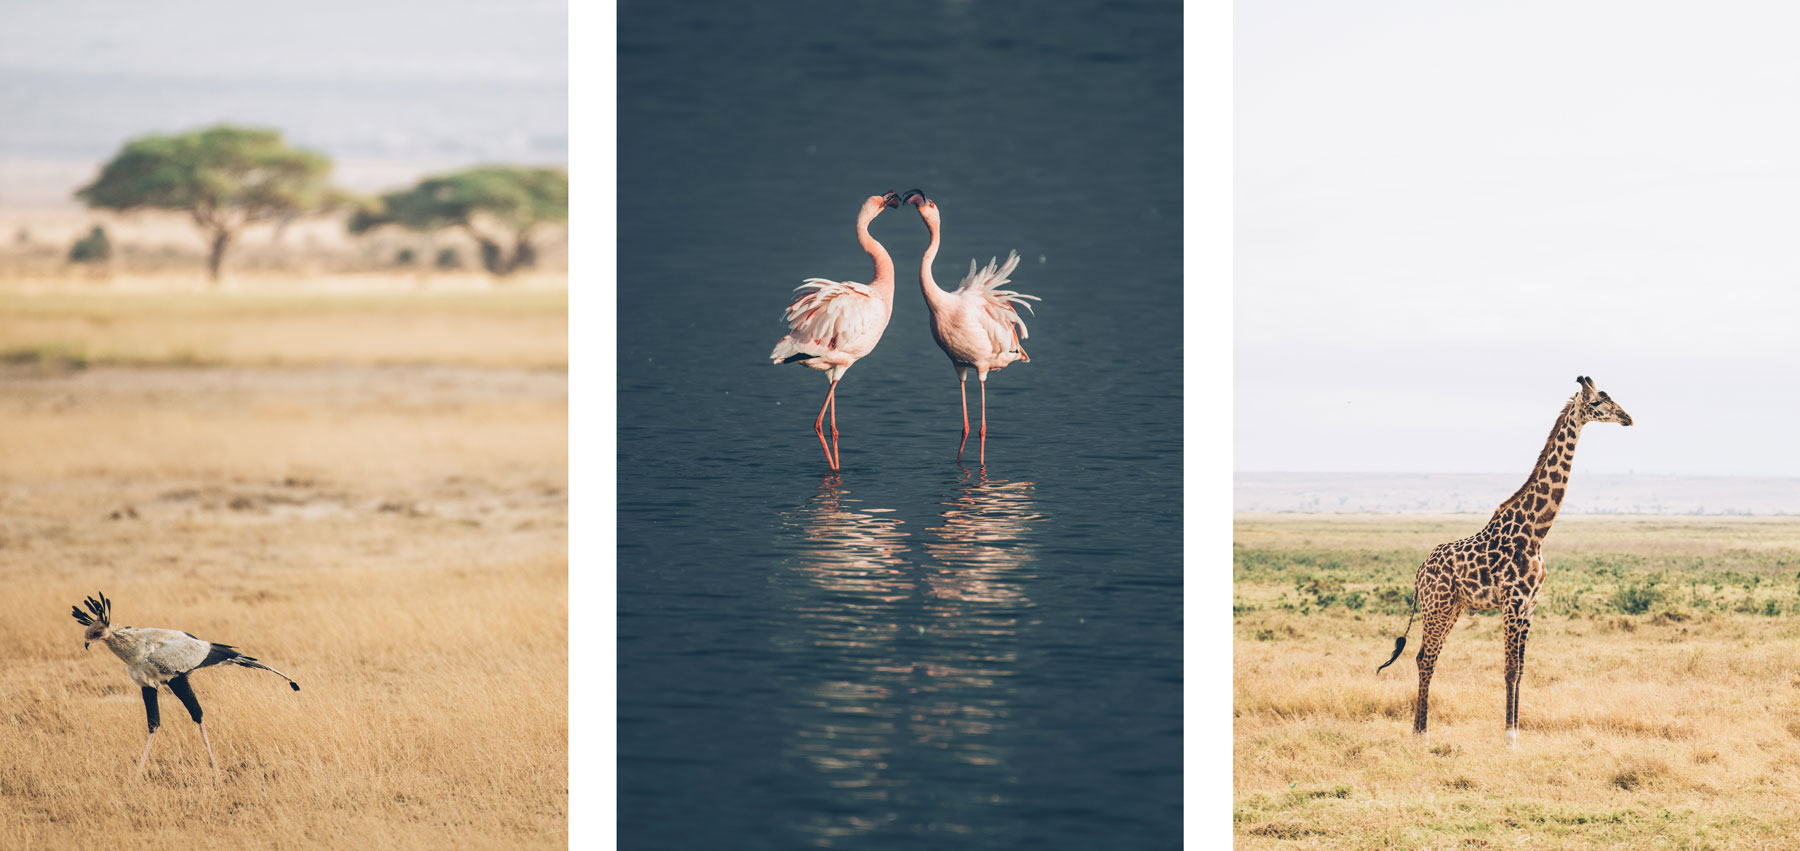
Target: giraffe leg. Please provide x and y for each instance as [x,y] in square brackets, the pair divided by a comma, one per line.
[1437,627]
[1518,629]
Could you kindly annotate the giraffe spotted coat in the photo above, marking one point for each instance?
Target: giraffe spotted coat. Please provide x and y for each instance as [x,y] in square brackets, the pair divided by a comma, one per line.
[1502,566]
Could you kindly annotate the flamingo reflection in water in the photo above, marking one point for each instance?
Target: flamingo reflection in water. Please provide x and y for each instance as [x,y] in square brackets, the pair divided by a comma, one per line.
[900,685]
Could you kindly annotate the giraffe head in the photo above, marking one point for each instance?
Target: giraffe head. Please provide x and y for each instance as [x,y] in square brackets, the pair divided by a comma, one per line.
[1594,406]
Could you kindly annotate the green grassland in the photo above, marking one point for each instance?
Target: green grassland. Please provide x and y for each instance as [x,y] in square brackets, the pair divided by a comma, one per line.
[1660,705]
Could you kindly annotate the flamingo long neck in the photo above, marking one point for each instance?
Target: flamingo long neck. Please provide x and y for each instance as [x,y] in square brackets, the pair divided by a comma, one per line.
[1542,494]
[934,296]
[884,264]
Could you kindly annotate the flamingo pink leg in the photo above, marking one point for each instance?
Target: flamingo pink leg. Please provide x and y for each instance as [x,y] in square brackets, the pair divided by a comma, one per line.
[963,391]
[837,455]
[819,426]
[983,422]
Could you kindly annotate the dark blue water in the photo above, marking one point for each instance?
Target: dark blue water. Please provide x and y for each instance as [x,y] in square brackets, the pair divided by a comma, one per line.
[912,652]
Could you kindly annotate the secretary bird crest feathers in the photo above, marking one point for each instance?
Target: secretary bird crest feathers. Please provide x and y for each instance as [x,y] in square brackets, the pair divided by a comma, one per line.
[101,610]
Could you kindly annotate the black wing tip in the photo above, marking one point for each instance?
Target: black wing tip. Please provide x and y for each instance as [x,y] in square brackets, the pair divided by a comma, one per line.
[294,685]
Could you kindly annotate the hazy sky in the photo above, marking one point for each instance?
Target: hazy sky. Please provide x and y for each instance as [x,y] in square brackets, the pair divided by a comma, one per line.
[1445,212]
[428,83]
[379,40]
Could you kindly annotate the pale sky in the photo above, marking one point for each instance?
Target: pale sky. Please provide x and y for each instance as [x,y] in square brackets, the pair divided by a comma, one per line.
[1447,211]
[369,40]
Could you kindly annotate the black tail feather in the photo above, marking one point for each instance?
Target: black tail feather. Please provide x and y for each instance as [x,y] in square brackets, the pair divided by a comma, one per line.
[227,653]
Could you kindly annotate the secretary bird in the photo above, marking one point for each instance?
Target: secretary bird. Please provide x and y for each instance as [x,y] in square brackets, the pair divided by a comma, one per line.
[154,657]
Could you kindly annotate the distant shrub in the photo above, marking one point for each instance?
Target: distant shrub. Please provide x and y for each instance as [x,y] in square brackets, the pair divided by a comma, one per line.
[449,259]
[1636,599]
[93,248]
[406,257]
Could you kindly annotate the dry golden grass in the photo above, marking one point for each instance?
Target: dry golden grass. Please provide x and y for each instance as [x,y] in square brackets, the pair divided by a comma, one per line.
[1678,727]
[392,537]
[288,326]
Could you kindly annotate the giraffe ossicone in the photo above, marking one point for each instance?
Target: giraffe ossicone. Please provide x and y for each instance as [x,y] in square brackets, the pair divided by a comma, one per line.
[1502,566]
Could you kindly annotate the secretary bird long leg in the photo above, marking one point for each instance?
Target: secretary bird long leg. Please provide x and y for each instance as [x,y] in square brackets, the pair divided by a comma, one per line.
[155,719]
[180,687]
[146,754]
[819,427]
[208,742]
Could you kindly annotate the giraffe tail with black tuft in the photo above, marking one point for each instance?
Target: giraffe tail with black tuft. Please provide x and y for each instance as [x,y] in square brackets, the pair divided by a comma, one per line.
[1400,643]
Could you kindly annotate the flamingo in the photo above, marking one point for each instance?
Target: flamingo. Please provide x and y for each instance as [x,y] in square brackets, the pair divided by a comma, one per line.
[977,325]
[835,323]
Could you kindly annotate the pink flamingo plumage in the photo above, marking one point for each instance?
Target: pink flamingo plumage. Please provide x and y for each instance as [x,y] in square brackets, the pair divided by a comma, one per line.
[834,323]
[977,325]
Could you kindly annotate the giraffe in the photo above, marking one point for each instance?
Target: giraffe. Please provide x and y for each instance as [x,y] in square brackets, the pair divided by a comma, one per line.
[1502,566]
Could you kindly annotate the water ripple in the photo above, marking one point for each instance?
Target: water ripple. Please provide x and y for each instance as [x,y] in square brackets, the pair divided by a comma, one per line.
[898,683]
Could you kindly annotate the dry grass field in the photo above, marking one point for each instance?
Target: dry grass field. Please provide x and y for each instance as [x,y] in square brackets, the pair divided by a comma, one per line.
[1660,706]
[367,491]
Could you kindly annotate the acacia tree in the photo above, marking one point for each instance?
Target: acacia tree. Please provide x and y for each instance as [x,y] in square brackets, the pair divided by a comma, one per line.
[501,207]
[225,177]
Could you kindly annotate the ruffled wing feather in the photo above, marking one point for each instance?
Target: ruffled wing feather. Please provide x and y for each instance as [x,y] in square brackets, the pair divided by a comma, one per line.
[985,283]
[831,316]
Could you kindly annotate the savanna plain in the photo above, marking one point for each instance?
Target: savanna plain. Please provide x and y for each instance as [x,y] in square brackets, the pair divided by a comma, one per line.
[362,482]
[1660,706]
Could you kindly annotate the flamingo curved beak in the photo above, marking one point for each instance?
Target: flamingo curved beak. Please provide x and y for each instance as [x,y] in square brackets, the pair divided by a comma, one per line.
[891,199]
[914,197]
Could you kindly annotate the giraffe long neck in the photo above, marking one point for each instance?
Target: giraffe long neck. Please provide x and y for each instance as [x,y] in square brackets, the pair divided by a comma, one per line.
[1542,494]
[883,283]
